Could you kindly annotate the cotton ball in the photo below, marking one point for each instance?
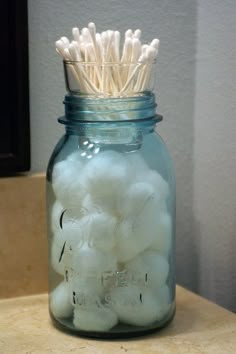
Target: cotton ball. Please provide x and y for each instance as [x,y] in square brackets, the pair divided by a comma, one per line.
[61,215]
[85,291]
[107,175]
[165,299]
[89,206]
[151,267]
[164,294]
[162,242]
[138,232]
[63,244]
[59,253]
[142,173]
[128,246]
[101,319]
[135,305]
[60,304]
[90,262]
[86,273]
[102,231]
[137,196]
[158,182]
[146,222]
[87,259]
[137,164]
[68,182]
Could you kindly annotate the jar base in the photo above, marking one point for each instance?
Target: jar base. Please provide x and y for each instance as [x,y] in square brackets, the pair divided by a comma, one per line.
[118,332]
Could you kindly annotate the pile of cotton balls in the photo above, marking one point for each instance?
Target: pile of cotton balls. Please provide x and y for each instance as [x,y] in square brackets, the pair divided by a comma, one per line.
[111,241]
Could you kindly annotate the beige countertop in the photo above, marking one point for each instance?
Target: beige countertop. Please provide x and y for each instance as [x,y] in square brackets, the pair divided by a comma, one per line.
[199,327]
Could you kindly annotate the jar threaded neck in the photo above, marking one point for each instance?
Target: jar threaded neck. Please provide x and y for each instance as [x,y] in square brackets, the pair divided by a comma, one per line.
[82,108]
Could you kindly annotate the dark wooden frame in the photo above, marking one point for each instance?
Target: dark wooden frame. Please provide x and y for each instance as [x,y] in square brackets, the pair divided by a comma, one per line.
[14,117]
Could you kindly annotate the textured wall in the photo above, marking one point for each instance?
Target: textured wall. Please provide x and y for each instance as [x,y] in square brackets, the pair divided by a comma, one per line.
[202,142]
[215,151]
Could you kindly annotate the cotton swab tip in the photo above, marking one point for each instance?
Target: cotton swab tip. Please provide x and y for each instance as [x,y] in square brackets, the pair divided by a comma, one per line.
[137,33]
[91,26]
[151,53]
[65,40]
[128,33]
[155,43]
[76,34]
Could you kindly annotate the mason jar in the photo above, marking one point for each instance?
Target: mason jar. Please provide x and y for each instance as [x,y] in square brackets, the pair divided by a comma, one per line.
[111,219]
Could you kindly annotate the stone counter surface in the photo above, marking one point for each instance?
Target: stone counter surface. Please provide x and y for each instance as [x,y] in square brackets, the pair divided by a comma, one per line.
[199,327]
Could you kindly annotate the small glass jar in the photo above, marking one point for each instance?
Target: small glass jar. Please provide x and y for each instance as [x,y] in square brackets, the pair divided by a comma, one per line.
[111,219]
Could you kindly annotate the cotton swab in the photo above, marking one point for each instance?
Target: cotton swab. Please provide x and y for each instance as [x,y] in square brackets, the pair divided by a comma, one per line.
[60,48]
[92,30]
[128,33]
[117,46]
[76,34]
[155,43]
[66,41]
[151,54]
[142,60]
[137,33]
[95,66]
[99,47]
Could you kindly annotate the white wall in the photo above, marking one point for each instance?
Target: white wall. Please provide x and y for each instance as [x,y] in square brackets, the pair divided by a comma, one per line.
[194,138]
[215,151]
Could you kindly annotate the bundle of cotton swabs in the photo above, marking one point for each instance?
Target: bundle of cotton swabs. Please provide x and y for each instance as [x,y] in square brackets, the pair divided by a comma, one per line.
[96,63]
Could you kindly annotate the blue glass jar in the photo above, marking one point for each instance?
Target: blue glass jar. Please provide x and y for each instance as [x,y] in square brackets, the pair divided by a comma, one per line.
[111,219]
